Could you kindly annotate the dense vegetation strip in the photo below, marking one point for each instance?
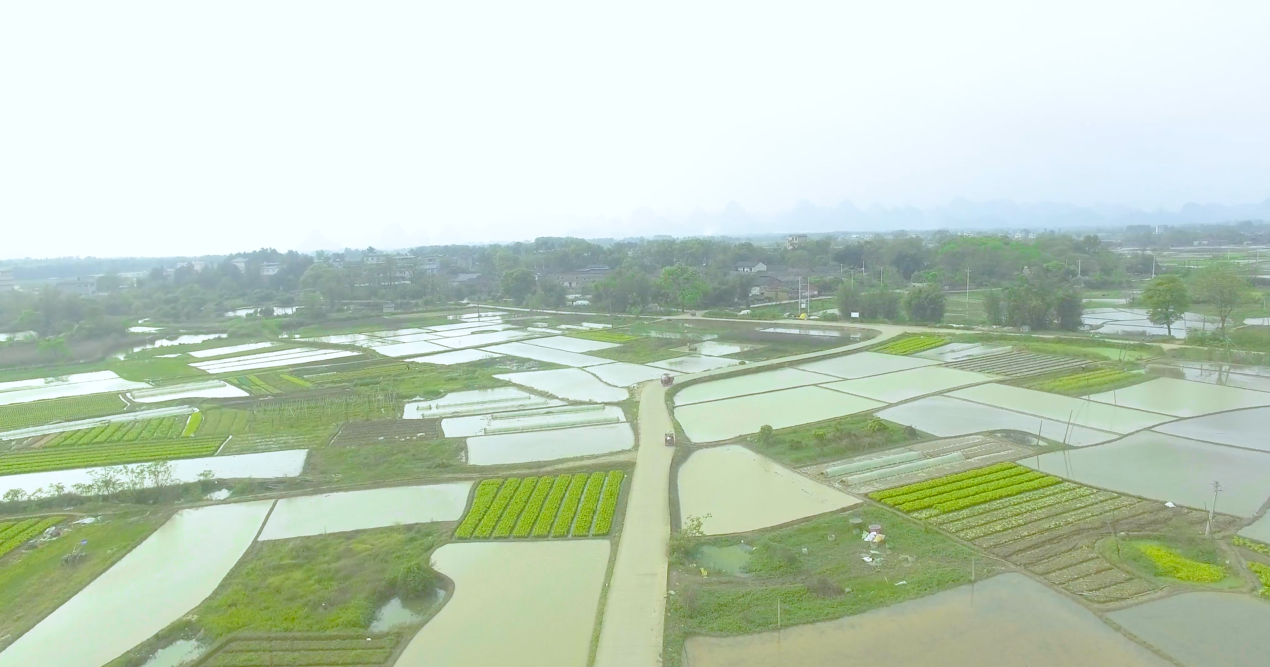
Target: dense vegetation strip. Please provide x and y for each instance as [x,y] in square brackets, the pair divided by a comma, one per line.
[527,519]
[1085,383]
[191,426]
[608,503]
[504,498]
[39,413]
[517,505]
[912,345]
[19,533]
[1177,566]
[569,508]
[1263,575]
[485,493]
[964,490]
[940,481]
[547,516]
[590,503]
[64,458]
[604,335]
[162,428]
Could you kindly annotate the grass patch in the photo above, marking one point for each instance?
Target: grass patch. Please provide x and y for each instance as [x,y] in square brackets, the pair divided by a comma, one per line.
[829,581]
[34,583]
[386,462]
[1173,558]
[65,458]
[643,350]
[905,345]
[816,443]
[604,335]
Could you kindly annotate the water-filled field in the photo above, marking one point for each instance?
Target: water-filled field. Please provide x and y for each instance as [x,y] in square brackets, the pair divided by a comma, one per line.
[1182,398]
[399,350]
[265,465]
[782,378]
[476,401]
[479,339]
[155,584]
[622,374]
[358,510]
[455,358]
[1258,530]
[947,417]
[547,354]
[79,384]
[573,384]
[694,363]
[531,420]
[530,604]
[1168,468]
[864,364]
[743,491]
[1241,428]
[210,389]
[728,418]
[232,349]
[291,357]
[1203,629]
[961,351]
[1006,621]
[570,344]
[711,348]
[549,445]
[1212,372]
[905,385]
[1078,411]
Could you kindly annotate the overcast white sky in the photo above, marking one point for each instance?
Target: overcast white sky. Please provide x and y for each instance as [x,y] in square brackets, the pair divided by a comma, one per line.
[146,128]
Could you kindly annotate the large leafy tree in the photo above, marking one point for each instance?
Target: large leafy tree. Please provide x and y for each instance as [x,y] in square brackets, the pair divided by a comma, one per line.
[518,284]
[1166,299]
[683,285]
[924,303]
[1222,288]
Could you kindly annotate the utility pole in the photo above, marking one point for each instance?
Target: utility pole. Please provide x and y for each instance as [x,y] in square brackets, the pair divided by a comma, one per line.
[967,296]
[1152,265]
[1208,528]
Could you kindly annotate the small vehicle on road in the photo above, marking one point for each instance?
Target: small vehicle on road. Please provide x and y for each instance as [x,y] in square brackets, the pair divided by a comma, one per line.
[670,439]
[667,379]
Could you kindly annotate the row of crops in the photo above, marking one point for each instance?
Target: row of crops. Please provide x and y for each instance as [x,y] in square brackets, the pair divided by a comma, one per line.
[14,534]
[373,372]
[270,384]
[1085,383]
[164,428]
[964,490]
[38,413]
[65,458]
[912,345]
[577,505]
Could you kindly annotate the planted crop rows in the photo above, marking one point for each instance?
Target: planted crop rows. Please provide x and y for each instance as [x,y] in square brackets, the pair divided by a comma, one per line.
[1177,566]
[64,458]
[912,345]
[577,505]
[15,534]
[1084,383]
[39,413]
[604,336]
[164,428]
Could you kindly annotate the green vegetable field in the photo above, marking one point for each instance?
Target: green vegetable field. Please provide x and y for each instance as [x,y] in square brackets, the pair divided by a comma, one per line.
[578,505]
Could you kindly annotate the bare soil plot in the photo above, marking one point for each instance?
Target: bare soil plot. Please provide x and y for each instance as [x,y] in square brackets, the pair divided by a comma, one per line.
[1007,621]
[864,364]
[742,491]
[534,604]
[1182,398]
[1203,629]
[1017,363]
[1212,372]
[754,383]
[573,384]
[947,417]
[905,385]
[1081,412]
[743,415]
[155,584]
[1168,468]
[358,510]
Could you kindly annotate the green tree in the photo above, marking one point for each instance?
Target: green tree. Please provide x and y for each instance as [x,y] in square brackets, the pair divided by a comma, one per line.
[683,285]
[518,284]
[924,303]
[1223,289]
[847,301]
[992,307]
[1166,300]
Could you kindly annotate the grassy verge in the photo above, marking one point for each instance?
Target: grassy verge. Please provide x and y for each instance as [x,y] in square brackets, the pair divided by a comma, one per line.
[34,583]
[1173,559]
[387,462]
[826,441]
[1086,382]
[830,580]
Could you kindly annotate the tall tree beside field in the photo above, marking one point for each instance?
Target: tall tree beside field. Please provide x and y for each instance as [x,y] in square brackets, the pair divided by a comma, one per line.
[993,308]
[683,285]
[1166,300]
[1222,288]
[518,284]
[924,303]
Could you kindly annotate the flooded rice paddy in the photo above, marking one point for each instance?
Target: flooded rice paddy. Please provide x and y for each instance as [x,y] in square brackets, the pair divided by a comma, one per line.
[1182,398]
[570,344]
[1212,372]
[573,384]
[1135,321]
[1241,428]
[961,351]
[754,383]
[948,417]
[694,363]
[476,401]
[1079,411]
[534,604]
[1006,621]
[398,350]
[549,355]
[179,652]
[291,357]
[232,349]
[621,374]
[1258,530]
[905,385]
[1203,629]
[161,580]
[359,510]
[532,420]
[210,389]
[477,339]
[455,358]
[742,491]
[864,364]
[186,339]
[1168,468]
[78,384]
[720,420]
[550,445]
[264,465]
[711,348]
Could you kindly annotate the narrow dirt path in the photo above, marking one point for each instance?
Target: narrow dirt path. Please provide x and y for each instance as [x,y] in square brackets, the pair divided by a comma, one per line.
[631,633]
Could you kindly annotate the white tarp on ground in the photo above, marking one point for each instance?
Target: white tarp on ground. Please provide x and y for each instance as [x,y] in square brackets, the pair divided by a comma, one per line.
[63,427]
[210,389]
[79,384]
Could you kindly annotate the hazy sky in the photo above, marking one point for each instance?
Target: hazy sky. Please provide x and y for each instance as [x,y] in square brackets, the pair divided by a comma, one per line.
[142,128]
